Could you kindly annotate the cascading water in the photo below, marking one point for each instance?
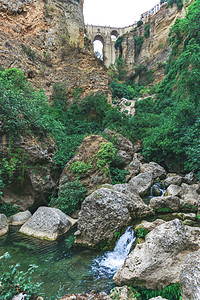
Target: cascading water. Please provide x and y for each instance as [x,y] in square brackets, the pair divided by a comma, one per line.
[158,189]
[111,261]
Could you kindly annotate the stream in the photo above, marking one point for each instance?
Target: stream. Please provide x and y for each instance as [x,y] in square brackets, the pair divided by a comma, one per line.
[75,270]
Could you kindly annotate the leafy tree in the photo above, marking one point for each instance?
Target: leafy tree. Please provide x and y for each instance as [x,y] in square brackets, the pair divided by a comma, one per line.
[118,70]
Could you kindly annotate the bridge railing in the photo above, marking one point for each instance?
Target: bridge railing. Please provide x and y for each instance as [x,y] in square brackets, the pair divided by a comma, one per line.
[152,11]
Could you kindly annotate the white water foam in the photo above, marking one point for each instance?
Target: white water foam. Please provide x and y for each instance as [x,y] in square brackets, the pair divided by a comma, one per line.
[111,261]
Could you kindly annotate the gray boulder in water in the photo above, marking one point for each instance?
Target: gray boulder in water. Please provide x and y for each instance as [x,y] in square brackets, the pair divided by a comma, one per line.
[47,223]
[107,211]
[20,218]
[3,224]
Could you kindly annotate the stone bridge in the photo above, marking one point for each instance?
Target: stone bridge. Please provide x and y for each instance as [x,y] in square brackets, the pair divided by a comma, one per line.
[107,35]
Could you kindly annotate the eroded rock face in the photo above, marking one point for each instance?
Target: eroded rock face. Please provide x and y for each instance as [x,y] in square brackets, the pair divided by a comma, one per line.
[45,39]
[157,262]
[38,178]
[155,48]
[3,224]
[190,277]
[47,223]
[103,213]
[86,154]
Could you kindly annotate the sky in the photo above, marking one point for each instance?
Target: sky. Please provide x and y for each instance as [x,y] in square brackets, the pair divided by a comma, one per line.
[116,13]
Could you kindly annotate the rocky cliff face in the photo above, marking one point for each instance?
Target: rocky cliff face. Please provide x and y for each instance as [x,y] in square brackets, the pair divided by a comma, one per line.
[45,38]
[155,49]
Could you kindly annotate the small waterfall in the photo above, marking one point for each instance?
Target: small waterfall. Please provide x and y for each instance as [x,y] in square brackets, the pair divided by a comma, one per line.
[111,261]
[157,189]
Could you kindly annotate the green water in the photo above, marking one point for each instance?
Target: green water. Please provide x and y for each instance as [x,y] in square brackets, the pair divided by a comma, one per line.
[73,269]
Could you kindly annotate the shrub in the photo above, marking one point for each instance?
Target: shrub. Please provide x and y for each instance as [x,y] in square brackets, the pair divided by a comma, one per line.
[117,175]
[14,282]
[179,3]
[79,167]
[118,43]
[139,40]
[8,209]
[105,155]
[118,70]
[139,23]
[70,197]
[142,232]
[147,31]
[171,292]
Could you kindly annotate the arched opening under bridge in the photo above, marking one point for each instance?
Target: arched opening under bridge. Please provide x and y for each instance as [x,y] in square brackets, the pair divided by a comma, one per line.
[98,45]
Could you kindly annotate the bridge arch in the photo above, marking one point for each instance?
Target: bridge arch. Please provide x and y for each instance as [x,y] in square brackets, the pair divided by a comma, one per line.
[100,38]
[114,34]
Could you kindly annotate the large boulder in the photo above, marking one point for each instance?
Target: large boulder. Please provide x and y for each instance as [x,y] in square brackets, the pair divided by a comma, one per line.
[173,179]
[105,212]
[20,218]
[157,262]
[141,209]
[190,198]
[190,277]
[157,170]
[165,204]
[85,165]
[47,223]
[123,145]
[149,226]
[134,167]
[173,190]
[142,183]
[3,224]
[120,141]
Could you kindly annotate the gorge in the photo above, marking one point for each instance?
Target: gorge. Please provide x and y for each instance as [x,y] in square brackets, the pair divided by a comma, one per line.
[90,147]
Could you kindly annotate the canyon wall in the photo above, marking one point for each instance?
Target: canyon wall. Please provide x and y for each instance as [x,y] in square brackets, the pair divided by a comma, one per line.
[45,38]
[155,49]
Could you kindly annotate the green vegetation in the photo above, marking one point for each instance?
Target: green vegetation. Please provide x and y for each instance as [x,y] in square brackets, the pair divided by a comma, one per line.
[29,52]
[139,40]
[147,31]
[141,233]
[171,292]
[8,209]
[118,69]
[70,197]
[105,155]
[139,23]
[13,281]
[179,3]
[118,175]
[170,124]
[79,167]
[118,43]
